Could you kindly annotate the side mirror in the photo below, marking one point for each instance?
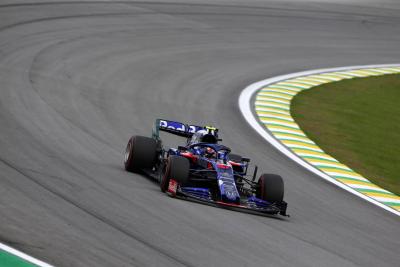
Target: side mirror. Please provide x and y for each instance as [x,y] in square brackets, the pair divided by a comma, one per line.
[182,148]
[255,174]
[246,159]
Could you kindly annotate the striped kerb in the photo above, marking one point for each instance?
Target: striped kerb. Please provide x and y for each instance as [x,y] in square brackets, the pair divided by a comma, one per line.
[272,106]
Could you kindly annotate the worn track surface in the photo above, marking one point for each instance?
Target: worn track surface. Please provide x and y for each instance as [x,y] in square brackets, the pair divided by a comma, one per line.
[77,79]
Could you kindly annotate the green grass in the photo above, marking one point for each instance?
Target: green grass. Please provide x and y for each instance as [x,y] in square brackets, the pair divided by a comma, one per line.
[9,260]
[357,122]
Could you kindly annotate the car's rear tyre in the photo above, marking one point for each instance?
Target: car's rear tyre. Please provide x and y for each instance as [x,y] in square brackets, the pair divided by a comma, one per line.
[177,168]
[140,153]
[271,188]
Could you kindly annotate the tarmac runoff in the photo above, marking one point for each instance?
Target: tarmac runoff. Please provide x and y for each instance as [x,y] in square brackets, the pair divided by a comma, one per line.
[271,106]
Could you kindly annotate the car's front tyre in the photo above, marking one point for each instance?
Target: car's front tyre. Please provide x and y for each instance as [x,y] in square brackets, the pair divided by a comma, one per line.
[176,168]
[270,188]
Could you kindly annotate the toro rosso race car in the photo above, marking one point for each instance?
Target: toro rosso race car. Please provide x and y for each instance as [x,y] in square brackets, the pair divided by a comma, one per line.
[203,169]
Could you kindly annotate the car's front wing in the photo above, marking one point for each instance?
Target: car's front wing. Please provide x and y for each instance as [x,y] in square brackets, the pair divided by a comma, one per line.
[250,204]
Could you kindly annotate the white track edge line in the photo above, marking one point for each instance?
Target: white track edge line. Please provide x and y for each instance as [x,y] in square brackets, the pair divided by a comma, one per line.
[24,256]
[246,110]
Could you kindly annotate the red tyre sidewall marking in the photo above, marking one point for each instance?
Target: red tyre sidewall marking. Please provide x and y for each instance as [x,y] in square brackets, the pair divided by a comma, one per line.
[165,177]
[172,187]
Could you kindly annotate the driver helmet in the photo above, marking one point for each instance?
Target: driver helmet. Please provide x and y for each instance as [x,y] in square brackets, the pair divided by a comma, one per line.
[198,136]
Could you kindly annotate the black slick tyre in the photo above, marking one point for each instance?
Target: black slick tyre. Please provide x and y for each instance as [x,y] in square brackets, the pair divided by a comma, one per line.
[140,153]
[177,168]
[271,188]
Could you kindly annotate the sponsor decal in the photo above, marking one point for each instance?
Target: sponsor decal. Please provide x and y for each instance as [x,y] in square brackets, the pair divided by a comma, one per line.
[172,125]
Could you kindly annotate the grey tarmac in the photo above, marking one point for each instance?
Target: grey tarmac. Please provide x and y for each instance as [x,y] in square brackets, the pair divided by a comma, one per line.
[78,78]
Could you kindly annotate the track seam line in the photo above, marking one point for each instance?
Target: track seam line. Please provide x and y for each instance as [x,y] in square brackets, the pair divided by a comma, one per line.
[95,215]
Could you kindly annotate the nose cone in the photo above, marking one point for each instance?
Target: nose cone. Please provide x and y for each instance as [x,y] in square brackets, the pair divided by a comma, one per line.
[231,194]
[227,187]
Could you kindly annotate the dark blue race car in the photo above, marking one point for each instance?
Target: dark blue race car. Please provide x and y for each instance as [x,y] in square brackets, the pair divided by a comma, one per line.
[203,169]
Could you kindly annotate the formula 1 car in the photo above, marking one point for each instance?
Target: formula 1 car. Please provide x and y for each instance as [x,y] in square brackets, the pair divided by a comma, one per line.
[203,170]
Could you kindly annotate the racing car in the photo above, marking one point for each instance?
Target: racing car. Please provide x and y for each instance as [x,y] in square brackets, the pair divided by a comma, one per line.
[203,169]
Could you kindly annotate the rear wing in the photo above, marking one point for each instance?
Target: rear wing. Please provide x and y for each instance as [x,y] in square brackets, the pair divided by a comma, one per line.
[178,128]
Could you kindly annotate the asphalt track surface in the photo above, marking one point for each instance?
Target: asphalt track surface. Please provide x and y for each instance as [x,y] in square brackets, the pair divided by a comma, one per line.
[77,79]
